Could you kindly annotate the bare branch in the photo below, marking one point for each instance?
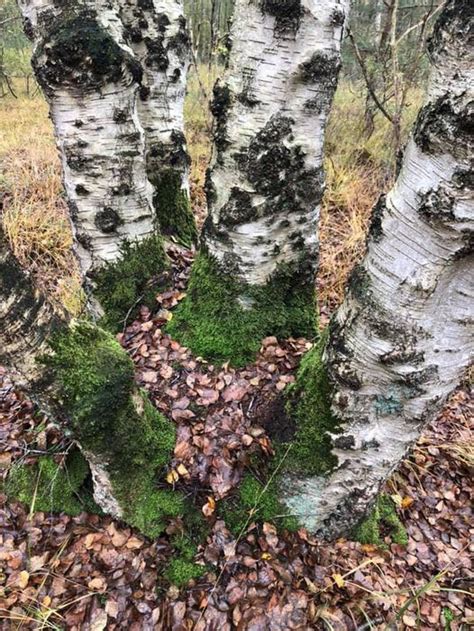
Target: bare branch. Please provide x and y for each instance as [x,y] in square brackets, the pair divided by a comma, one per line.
[366,77]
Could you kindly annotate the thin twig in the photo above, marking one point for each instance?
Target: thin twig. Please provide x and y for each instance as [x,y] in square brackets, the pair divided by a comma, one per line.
[366,78]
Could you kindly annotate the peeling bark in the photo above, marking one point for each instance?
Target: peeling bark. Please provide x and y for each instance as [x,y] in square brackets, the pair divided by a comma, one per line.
[403,338]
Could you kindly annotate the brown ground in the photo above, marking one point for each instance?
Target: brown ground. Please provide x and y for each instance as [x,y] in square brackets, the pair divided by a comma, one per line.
[95,573]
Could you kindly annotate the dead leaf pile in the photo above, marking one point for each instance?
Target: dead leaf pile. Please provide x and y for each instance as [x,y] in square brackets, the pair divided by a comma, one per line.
[94,573]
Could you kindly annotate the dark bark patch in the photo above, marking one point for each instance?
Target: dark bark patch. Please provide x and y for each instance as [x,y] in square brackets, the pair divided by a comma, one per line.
[446,125]
[82,191]
[375,229]
[454,27]
[79,53]
[276,170]
[322,69]
[107,220]
[180,43]
[157,56]
[437,206]
[287,14]
[121,116]
[238,209]
[222,99]
[338,17]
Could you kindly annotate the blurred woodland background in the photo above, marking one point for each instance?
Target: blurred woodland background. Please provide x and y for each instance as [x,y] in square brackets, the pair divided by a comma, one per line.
[380,90]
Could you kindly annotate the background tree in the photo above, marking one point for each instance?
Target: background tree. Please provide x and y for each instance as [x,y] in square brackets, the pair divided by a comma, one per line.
[157,34]
[387,52]
[256,271]
[403,338]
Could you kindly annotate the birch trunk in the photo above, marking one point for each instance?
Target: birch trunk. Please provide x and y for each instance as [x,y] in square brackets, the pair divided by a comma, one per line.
[91,79]
[403,338]
[266,180]
[80,376]
[156,32]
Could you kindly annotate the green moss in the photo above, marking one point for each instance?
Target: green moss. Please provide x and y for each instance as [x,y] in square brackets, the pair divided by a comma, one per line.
[309,407]
[49,487]
[174,209]
[179,571]
[117,423]
[254,502]
[382,521]
[134,279]
[214,324]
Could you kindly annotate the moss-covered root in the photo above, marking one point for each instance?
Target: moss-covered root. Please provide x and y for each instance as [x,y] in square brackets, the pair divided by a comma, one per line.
[51,487]
[132,280]
[308,405]
[382,522]
[117,424]
[173,208]
[224,319]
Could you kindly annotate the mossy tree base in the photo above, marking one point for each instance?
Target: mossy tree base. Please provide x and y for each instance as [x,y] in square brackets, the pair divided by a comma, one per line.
[52,488]
[117,424]
[223,319]
[173,208]
[132,280]
[383,521]
[308,405]
[255,502]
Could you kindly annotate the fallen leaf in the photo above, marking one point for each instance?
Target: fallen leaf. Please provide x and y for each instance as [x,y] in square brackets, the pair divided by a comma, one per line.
[340,582]
[23,579]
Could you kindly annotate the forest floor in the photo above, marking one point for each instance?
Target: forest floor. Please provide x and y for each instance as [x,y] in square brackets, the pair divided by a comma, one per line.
[93,572]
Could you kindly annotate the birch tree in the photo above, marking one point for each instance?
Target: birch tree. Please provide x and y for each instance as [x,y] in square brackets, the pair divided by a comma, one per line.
[79,375]
[256,271]
[157,33]
[98,87]
[403,338]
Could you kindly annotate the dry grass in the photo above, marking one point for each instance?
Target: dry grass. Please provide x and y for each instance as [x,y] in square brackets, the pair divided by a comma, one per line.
[358,171]
[35,216]
[34,211]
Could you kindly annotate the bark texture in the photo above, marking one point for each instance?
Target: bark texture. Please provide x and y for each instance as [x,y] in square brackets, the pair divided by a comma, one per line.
[266,181]
[156,31]
[114,75]
[91,79]
[403,338]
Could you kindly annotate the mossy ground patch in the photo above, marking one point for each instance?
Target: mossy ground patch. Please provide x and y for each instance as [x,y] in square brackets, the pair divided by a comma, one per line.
[213,322]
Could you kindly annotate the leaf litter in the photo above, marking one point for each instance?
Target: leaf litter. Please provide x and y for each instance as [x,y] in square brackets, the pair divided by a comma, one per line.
[93,572]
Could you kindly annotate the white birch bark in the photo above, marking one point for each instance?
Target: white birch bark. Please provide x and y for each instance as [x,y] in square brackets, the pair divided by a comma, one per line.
[403,338]
[266,181]
[156,32]
[91,80]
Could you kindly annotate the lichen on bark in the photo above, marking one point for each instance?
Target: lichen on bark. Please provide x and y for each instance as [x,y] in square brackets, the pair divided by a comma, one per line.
[223,318]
